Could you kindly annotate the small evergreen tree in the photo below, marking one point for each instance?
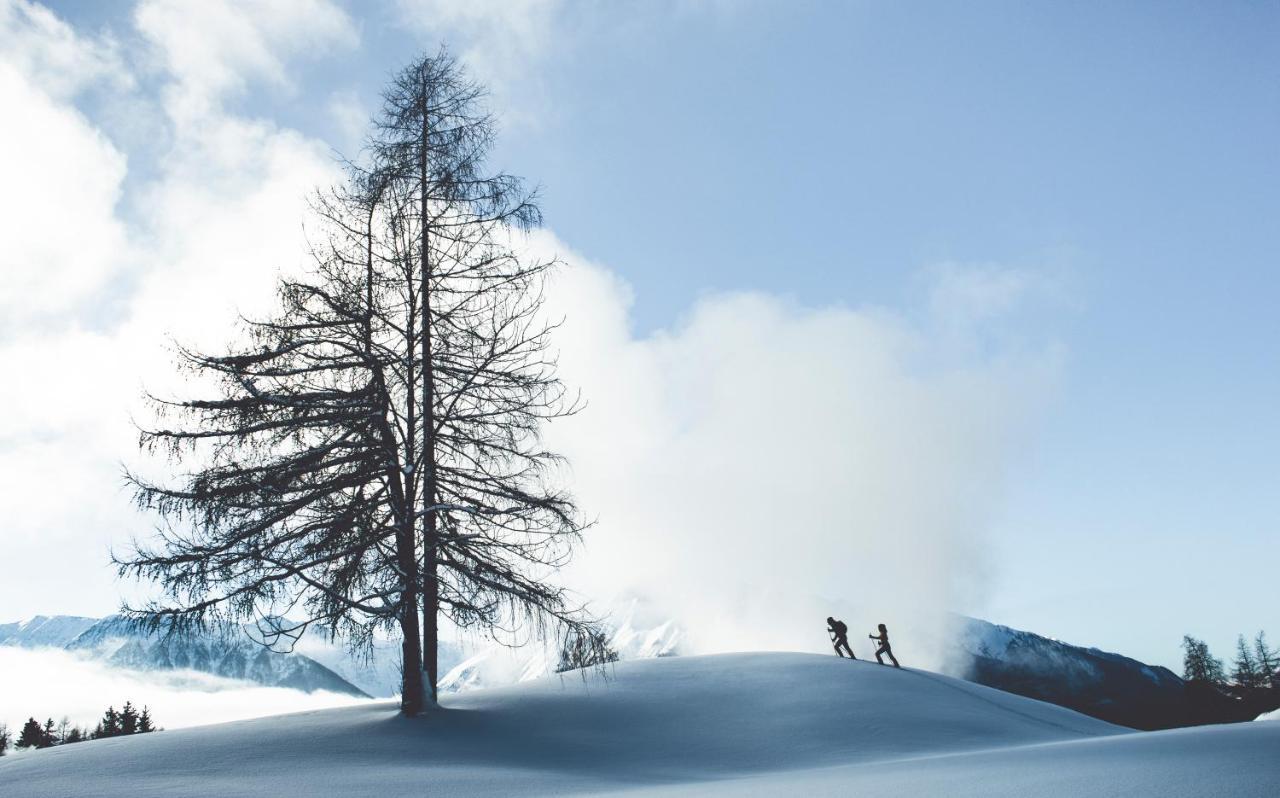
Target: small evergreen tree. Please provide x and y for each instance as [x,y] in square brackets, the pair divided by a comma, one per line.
[4,738]
[31,735]
[1198,665]
[75,735]
[1245,672]
[1268,662]
[48,737]
[144,722]
[128,719]
[109,726]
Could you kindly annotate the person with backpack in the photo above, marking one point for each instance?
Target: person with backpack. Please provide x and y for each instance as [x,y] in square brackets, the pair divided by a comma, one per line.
[883,640]
[839,636]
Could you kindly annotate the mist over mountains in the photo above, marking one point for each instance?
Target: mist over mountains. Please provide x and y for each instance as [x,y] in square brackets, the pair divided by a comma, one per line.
[117,642]
[314,663]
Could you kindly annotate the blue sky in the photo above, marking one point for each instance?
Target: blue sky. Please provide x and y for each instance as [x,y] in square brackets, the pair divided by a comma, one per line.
[1119,158]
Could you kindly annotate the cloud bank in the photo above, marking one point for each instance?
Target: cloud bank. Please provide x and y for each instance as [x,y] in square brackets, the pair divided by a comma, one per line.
[43,683]
[92,291]
[761,465]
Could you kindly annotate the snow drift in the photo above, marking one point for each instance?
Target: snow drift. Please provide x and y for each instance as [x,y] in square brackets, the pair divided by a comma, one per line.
[784,724]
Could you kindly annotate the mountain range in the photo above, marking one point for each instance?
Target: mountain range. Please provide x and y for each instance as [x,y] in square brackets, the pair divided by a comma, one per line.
[117,642]
[1107,686]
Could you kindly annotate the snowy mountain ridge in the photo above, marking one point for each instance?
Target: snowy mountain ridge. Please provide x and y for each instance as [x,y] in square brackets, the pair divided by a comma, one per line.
[315,662]
[44,630]
[495,665]
[117,642]
[1103,684]
[994,641]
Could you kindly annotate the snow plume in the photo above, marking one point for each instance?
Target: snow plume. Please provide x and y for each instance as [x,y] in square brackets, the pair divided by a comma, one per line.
[49,682]
[761,465]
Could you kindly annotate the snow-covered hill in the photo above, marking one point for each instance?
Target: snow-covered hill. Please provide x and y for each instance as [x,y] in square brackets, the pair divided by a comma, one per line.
[767,724]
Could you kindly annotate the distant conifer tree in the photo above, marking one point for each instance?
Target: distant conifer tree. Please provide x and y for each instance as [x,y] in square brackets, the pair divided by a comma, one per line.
[109,726]
[1198,665]
[4,738]
[1245,672]
[144,722]
[1268,661]
[128,719]
[31,735]
[48,737]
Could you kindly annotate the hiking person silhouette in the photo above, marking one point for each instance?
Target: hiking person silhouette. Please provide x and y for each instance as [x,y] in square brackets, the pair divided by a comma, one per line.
[839,636]
[883,640]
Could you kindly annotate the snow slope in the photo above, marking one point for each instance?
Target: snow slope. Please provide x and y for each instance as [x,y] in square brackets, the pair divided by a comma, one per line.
[772,724]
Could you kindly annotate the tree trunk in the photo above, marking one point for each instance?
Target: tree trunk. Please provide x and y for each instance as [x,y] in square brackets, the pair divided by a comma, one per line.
[430,617]
[430,584]
[412,692]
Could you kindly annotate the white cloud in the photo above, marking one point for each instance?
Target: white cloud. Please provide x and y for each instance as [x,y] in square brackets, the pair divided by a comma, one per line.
[62,241]
[219,222]
[351,118]
[762,465]
[500,39]
[46,49]
[975,293]
[214,50]
[62,176]
[44,683]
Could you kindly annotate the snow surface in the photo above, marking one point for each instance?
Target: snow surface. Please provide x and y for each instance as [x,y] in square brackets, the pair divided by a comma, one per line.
[771,724]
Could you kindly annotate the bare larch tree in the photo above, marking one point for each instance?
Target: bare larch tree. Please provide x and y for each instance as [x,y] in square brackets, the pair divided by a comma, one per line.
[372,457]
